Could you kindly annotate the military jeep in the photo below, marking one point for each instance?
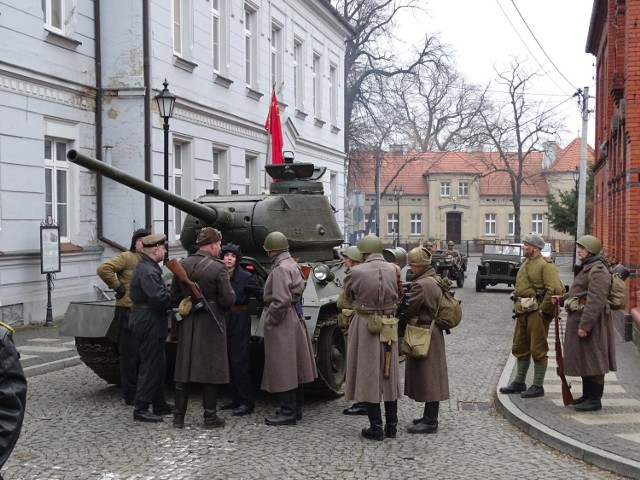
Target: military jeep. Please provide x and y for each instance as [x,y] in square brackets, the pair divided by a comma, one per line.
[448,267]
[499,264]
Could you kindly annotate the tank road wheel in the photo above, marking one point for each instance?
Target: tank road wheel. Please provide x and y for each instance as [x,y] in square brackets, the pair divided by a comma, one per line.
[331,359]
[460,279]
[101,356]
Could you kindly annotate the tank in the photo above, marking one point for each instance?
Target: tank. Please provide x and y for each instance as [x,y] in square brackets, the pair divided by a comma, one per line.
[296,206]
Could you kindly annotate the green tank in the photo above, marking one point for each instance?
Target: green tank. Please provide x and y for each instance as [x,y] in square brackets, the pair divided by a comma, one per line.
[297,207]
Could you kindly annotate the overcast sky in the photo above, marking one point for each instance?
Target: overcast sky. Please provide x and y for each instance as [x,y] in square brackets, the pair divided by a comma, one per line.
[482,37]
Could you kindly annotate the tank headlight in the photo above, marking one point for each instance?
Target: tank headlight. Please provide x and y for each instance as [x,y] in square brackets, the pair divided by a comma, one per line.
[323,274]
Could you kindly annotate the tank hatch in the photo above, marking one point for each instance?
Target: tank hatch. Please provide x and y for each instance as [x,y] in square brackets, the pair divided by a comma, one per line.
[292,178]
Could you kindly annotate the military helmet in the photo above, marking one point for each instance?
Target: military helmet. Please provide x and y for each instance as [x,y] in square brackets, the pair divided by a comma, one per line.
[428,243]
[370,244]
[276,241]
[450,243]
[590,243]
[534,239]
[353,253]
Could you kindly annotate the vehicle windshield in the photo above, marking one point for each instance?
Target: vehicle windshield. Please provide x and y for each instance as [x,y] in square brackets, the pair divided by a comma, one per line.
[546,248]
[503,249]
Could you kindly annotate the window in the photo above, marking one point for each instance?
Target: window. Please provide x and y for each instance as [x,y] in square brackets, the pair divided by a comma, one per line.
[276,54]
[463,189]
[250,174]
[250,39]
[333,94]
[54,14]
[317,85]
[216,30]
[536,223]
[333,185]
[512,224]
[392,223]
[298,74]
[490,224]
[445,189]
[178,186]
[57,184]
[215,173]
[416,224]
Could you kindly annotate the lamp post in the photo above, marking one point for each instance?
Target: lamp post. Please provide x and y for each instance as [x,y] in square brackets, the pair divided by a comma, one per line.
[397,195]
[576,179]
[166,101]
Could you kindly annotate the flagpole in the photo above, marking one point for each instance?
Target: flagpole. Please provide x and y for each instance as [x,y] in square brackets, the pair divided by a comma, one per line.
[268,137]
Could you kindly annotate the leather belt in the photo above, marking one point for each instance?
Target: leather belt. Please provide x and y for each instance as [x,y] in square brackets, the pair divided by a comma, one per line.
[239,308]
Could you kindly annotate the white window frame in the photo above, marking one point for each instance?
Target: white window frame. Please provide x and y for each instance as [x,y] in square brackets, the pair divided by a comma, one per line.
[316,73]
[416,223]
[537,223]
[445,189]
[250,44]
[50,6]
[333,94]
[333,188]
[392,223]
[250,173]
[54,167]
[511,225]
[216,162]
[490,224]
[463,189]
[276,53]
[178,179]
[298,73]
[216,35]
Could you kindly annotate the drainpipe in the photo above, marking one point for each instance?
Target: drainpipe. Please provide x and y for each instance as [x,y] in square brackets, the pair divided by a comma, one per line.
[146,72]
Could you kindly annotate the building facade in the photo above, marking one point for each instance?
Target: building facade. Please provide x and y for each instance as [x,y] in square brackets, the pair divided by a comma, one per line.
[82,74]
[453,196]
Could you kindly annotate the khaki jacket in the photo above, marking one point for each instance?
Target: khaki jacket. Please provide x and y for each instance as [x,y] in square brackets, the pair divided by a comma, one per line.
[537,276]
[117,271]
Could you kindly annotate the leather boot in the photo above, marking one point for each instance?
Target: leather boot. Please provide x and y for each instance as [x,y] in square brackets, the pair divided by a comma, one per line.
[429,423]
[141,413]
[181,399]
[299,401]
[374,432]
[593,401]
[585,390]
[209,402]
[421,419]
[286,415]
[391,418]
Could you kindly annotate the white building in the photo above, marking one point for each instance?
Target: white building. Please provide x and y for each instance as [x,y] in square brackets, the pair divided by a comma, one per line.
[83,75]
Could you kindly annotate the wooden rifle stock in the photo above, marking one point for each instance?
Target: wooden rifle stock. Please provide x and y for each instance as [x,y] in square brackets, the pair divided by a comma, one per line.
[387,361]
[567,398]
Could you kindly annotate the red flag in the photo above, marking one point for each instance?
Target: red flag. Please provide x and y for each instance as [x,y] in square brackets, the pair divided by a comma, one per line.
[274,127]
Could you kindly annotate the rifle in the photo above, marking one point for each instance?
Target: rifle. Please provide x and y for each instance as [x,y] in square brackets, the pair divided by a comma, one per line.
[200,302]
[567,398]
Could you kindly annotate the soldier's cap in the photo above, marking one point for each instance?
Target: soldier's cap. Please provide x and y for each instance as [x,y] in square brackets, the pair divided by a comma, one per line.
[534,239]
[419,256]
[208,235]
[153,240]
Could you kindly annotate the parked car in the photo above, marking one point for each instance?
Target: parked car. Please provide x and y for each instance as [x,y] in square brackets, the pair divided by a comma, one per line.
[549,251]
[499,264]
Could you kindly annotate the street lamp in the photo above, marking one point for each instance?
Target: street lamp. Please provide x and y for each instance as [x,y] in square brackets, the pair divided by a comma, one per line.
[576,179]
[397,195]
[166,101]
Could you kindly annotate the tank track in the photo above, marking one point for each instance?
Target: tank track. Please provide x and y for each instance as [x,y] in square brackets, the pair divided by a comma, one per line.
[101,356]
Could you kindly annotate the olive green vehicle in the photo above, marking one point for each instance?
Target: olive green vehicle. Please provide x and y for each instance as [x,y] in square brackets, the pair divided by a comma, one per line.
[499,264]
[297,207]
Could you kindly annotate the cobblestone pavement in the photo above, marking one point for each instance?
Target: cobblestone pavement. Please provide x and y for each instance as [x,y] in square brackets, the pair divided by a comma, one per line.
[77,427]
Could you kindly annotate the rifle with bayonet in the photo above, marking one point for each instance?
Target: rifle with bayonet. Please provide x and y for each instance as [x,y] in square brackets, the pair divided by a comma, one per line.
[200,302]
[567,398]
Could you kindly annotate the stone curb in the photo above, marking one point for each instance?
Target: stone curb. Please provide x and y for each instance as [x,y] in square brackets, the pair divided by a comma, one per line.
[570,446]
[51,366]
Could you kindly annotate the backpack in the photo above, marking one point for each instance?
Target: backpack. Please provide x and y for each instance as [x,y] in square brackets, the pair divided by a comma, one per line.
[617,298]
[449,313]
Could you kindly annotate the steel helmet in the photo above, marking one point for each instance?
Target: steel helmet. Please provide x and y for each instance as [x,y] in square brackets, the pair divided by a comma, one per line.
[534,239]
[450,243]
[590,243]
[276,241]
[370,244]
[353,253]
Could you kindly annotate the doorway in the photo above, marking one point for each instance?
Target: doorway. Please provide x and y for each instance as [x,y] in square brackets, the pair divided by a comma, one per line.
[454,227]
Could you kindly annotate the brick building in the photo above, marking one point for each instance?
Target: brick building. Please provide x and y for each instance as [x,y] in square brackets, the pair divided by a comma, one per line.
[614,41]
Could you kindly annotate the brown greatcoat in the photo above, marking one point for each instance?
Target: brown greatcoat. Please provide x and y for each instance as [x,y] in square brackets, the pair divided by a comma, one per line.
[371,284]
[426,379]
[202,348]
[288,355]
[594,354]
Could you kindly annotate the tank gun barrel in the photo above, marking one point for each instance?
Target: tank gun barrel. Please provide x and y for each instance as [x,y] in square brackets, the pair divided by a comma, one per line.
[205,214]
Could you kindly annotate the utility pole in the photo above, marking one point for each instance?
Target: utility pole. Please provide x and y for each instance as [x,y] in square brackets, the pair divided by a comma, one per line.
[582,186]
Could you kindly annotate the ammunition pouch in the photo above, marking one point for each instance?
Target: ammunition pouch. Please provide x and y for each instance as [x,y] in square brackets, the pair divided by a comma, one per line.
[573,304]
[525,304]
[389,332]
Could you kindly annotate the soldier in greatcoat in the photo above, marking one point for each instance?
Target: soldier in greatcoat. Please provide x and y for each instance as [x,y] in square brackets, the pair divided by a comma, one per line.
[373,287]
[288,356]
[537,281]
[202,347]
[589,339]
[426,379]
[149,323]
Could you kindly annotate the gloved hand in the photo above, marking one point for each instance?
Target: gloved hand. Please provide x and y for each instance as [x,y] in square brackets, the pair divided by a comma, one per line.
[120,291]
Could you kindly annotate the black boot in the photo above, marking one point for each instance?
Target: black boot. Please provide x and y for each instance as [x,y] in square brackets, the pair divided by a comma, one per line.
[421,419]
[299,401]
[162,407]
[374,432]
[585,390]
[391,418]
[593,401]
[181,399]
[209,402]
[429,422]
[286,415]
[141,413]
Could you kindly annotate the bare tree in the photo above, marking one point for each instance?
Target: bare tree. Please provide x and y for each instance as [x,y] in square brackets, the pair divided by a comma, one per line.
[514,129]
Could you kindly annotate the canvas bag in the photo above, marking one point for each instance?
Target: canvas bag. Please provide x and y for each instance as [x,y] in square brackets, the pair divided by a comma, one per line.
[617,298]
[417,340]
[449,313]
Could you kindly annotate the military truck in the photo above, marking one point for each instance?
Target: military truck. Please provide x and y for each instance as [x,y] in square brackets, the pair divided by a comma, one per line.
[296,206]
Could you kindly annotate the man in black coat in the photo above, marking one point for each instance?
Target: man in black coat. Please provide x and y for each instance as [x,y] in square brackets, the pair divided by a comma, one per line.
[13,394]
[238,322]
[148,321]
